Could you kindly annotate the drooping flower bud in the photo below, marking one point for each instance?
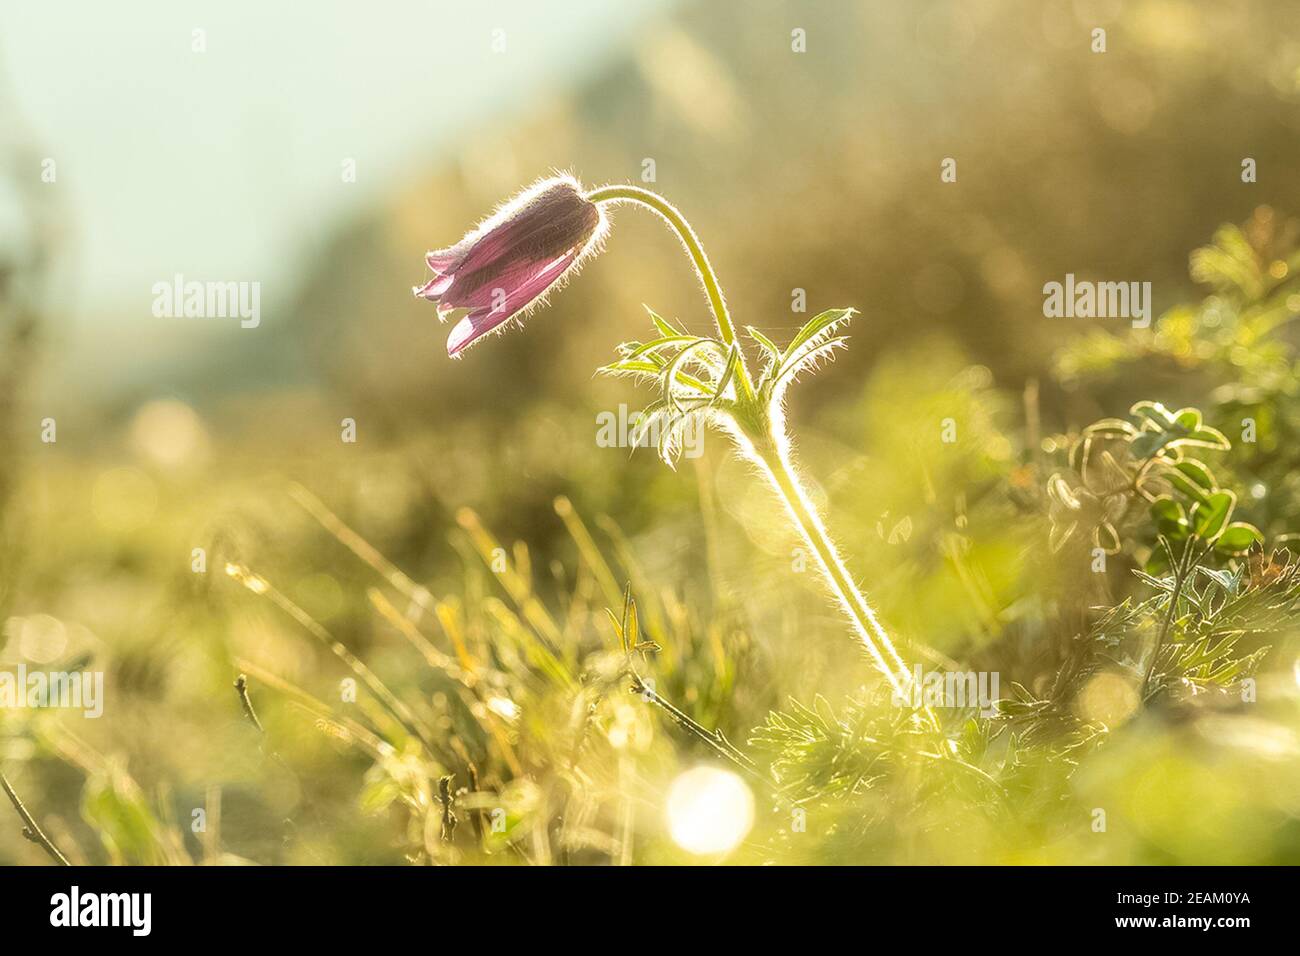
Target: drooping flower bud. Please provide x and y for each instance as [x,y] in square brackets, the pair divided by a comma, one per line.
[508,264]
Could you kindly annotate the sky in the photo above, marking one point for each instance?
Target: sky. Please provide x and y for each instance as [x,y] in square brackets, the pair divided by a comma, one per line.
[224,162]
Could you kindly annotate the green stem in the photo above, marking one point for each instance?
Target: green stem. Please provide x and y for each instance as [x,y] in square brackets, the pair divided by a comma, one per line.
[776,463]
[700,259]
[1182,571]
[770,450]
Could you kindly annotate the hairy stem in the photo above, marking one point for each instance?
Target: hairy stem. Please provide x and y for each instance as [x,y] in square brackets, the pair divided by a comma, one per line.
[774,460]
[700,259]
[762,436]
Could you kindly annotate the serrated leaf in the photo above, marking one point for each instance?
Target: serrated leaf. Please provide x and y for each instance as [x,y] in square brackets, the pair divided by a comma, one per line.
[817,324]
[806,359]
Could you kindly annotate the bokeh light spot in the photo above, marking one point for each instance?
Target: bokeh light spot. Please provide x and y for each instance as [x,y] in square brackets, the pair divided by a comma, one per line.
[710,810]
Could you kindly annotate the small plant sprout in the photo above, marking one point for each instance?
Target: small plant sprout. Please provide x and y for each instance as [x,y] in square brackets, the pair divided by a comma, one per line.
[536,241]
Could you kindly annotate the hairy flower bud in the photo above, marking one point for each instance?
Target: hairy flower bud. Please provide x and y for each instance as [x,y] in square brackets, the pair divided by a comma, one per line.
[508,264]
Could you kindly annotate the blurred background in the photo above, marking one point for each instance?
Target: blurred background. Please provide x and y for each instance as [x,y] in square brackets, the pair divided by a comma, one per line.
[320,155]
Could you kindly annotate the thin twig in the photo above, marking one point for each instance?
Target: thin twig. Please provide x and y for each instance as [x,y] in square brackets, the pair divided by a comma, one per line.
[715,739]
[31,830]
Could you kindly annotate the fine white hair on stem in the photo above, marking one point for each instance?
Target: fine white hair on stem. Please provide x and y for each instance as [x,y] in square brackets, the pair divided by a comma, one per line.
[778,468]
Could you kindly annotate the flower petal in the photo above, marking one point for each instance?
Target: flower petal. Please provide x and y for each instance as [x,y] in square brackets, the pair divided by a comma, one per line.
[443,261]
[486,316]
[434,288]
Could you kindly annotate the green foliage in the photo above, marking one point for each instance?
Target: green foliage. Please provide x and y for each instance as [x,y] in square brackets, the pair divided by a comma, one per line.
[1117,462]
[525,705]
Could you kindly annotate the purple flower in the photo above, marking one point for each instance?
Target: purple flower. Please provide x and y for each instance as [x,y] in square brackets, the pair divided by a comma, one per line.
[509,263]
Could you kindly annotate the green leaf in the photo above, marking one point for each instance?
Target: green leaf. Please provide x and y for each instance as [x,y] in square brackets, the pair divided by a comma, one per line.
[665,327]
[377,795]
[636,365]
[812,352]
[818,323]
[1165,508]
[1207,437]
[733,358]
[1170,519]
[1160,584]
[1148,443]
[673,370]
[1210,518]
[1187,487]
[1189,419]
[1222,578]
[1155,413]
[1193,479]
[618,629]
[633,629]
[768,345]
[658,344]
[1238,538]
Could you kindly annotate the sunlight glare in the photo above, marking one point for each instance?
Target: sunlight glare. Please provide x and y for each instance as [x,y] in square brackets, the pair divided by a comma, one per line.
[710,810]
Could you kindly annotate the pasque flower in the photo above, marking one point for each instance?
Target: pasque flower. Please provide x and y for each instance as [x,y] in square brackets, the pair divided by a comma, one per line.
[533,242]
[518,254]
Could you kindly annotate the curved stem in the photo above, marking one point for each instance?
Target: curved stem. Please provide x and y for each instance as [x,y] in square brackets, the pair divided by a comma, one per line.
[776,463]
[764,442]
[694,249]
